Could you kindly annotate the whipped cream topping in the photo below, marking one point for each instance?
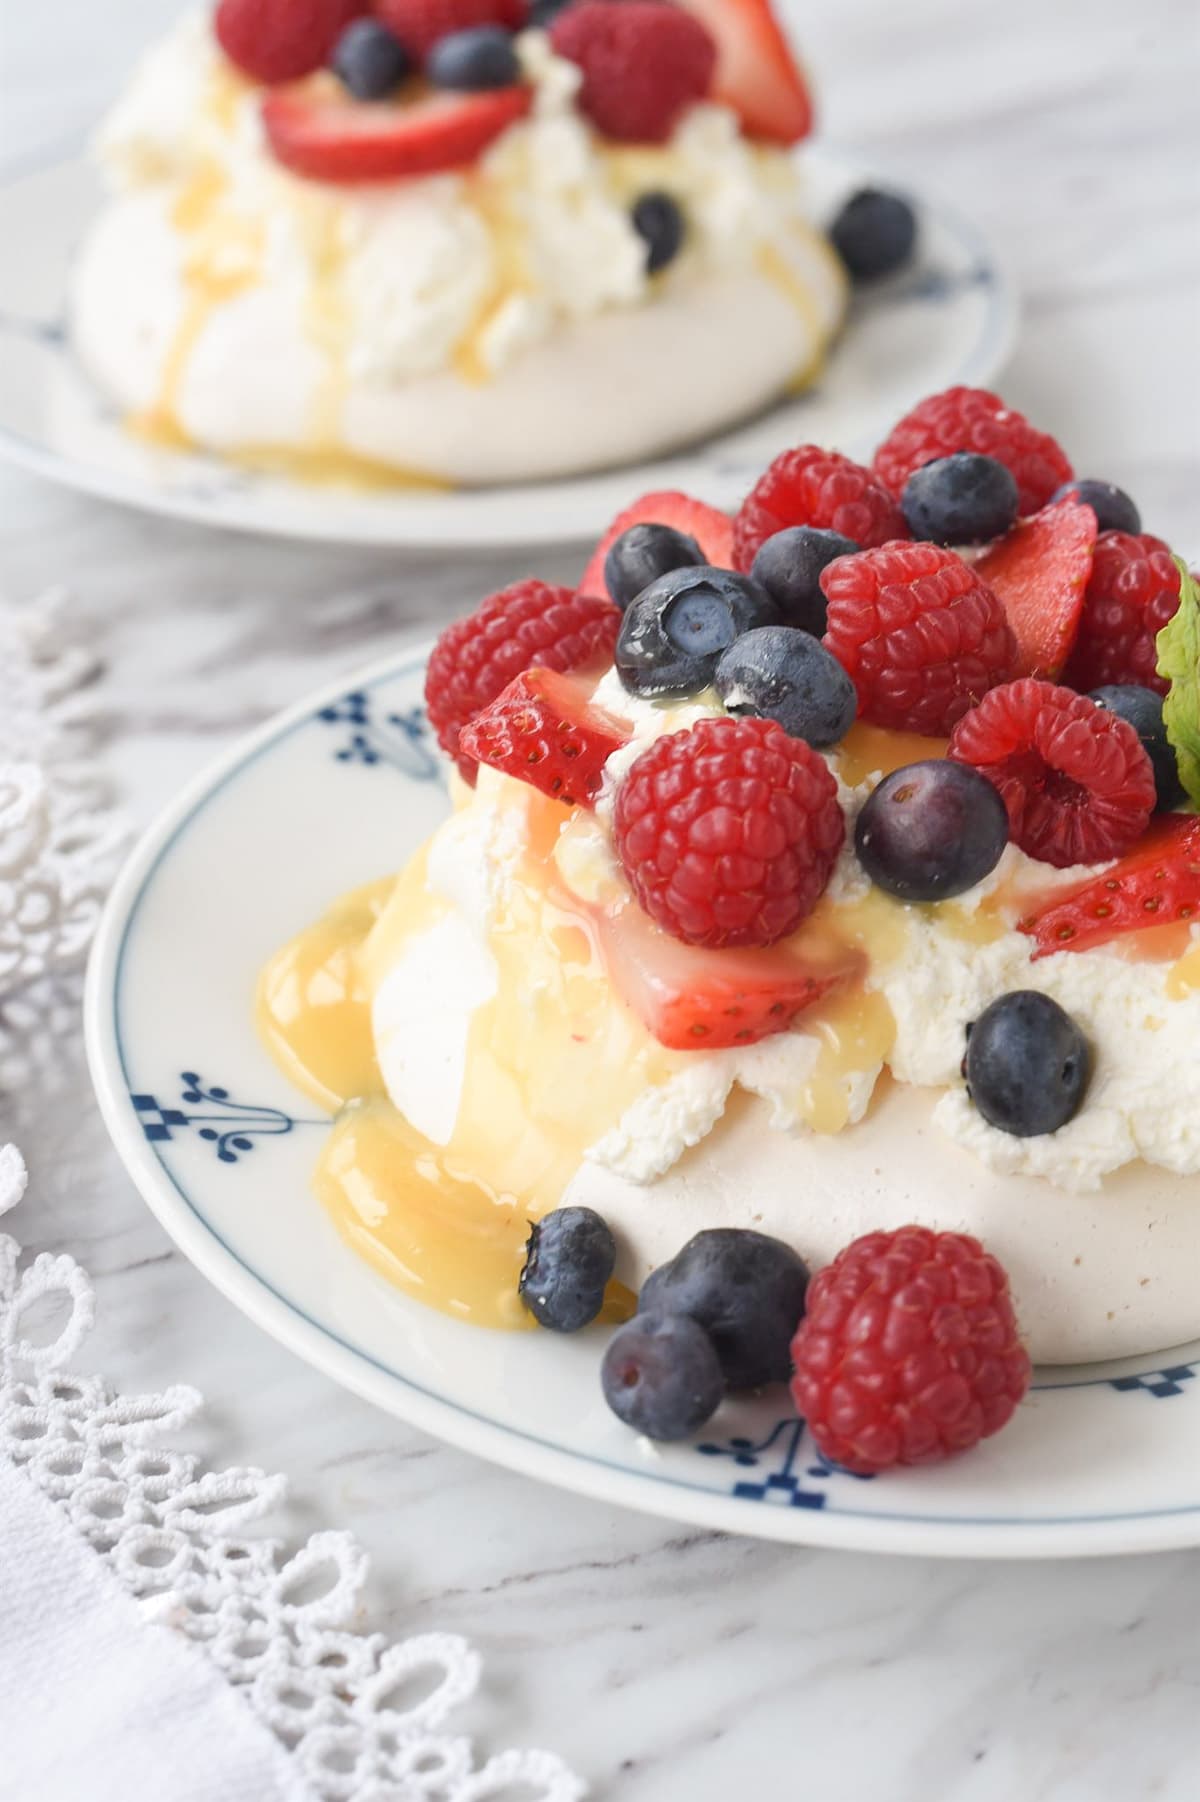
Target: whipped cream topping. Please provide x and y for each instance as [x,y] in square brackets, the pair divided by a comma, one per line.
[468,270]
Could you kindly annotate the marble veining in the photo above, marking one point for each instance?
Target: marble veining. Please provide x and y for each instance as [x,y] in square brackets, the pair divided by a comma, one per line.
[669,1666]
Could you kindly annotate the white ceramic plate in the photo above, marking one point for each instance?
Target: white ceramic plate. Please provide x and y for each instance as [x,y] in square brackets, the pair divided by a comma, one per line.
[342,789]
[949,320]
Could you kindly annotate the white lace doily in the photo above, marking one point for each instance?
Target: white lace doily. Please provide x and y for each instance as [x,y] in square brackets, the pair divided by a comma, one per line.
[175,1535]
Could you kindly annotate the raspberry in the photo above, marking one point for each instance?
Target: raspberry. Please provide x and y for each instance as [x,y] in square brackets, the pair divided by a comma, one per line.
[644,63]
[282,40]
[1132,592]
[922,637]
[728,832]
[809,486]
[971,419]
[420,23]
[909,1351]
[1075,779]
[531,623]
[543,731]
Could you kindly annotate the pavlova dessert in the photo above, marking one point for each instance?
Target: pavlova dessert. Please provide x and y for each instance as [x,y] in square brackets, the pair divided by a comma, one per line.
[462,241]
[820,895]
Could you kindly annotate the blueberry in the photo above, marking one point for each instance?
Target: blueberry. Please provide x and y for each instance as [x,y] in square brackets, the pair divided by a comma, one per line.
[673,634]
[963,499]
[1143,709]
[777,673]
[370,60]
[568,1261]
[789,565]
[1027,1064]
[542,13]
[931,830]
[483,57]
[661,1375]
[1114,510]
[746,1290]
[658,220]
[644,552]
[874,233]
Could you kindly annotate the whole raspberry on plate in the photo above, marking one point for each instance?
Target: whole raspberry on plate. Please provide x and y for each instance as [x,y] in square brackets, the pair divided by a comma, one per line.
[809,486]
[972,419]
[530,624]
[909,1351]
[1075,779]
[282,40]
[1132,592]
[419,24]
[644,63]
[921,636]
[728,832]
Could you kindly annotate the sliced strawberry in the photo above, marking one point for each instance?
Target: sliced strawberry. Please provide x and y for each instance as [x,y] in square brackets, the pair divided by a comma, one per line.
[331,138]
[757,73]
[712,530]
[1040,571]
[543,730]
[693,1000]
[1155,885]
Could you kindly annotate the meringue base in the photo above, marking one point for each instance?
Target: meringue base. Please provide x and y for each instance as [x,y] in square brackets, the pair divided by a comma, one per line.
[1094,1276]
[239,373]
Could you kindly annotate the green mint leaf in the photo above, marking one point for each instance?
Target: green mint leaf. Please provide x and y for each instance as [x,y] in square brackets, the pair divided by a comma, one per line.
[1179,661]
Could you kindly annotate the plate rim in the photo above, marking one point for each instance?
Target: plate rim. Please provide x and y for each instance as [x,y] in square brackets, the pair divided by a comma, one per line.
[988,355]
[251,1292]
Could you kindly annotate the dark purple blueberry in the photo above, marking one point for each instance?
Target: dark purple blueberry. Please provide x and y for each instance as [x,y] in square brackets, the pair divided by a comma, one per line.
[642,554]
[789,565]
[963,499]
[874,234]
[661,1376]
[1114,510]
[483,57]
[777,673]
[746,1290]
[658,221]
[1027,1064]
[569,1259]
[1143,709]
[673,635]
[931,830]
[370,60]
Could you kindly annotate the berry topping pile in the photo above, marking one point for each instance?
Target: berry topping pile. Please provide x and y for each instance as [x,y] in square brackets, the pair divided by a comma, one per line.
[532,624]
[922,637]
[728,832]
[427,85]
[1075,779]
[963,592]
[909,1351]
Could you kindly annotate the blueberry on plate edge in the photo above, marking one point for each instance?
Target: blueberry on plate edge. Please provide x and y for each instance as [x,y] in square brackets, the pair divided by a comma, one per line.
[746,1289]
[569,1258]
[874,233]
[661,1375]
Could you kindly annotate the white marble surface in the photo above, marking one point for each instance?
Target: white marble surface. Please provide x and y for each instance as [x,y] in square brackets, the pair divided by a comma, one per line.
[671,1666]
